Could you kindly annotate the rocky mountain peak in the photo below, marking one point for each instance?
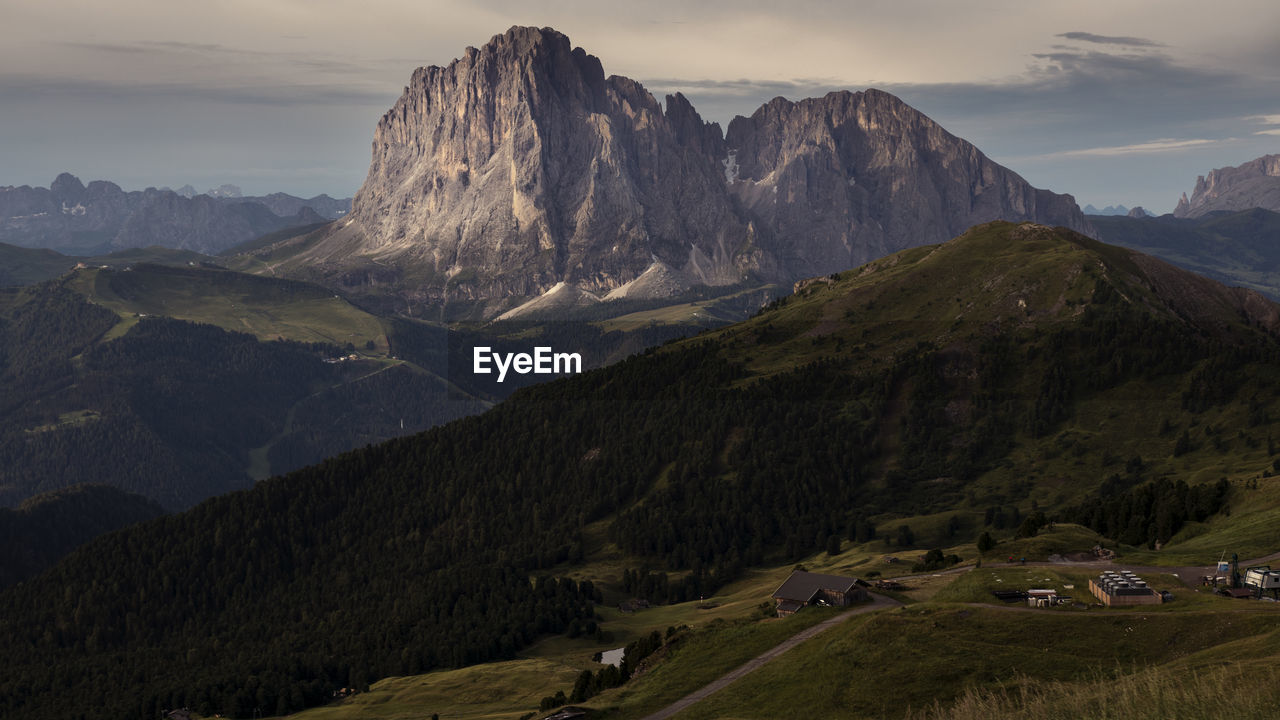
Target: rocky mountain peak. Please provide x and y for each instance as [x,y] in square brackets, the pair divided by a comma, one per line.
[1253,184]
[690,130]
[67,188]
[865,174]
[522,154]
[521,165]
[525,42]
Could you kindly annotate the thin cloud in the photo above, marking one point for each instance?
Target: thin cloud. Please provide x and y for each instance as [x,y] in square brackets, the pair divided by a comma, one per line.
[1067,103]
[1109,39]
[281,60]
[27,87]
[1265,120]
[800,87]
[158,47]
[197,47]
[110,48]
[1067,95]
[1154,146]
[1099,65]
[1066,86]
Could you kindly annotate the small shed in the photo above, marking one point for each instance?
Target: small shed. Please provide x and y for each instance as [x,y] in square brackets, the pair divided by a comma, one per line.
[788,607]
[1041,598]
[806,588]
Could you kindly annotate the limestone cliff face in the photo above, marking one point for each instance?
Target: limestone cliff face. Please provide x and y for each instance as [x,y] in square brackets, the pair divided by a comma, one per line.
[521,165]
[1253,184]
[850,177]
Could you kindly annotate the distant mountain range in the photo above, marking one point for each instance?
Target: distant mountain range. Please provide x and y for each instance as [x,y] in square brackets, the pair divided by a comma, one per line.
[74,218]
[285,205]
[1108,210]
[522,166]
[1113,210]
[225,190]
[282,204]
[1236,248]
[1253,184]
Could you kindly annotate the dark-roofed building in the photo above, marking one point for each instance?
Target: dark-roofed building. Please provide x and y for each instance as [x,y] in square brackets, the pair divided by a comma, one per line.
[806,588]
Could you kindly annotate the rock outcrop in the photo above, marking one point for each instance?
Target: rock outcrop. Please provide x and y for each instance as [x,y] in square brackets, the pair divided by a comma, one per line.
[1253,184]
[522,165]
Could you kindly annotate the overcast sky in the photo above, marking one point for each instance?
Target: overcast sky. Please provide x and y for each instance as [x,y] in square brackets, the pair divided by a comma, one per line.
[1113,102]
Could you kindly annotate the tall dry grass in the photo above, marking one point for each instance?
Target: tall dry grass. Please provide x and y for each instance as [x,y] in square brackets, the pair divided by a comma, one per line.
[1247,690]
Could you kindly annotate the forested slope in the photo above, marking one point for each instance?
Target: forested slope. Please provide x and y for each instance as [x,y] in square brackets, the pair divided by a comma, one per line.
[180,411]
[46,527]
[943,377]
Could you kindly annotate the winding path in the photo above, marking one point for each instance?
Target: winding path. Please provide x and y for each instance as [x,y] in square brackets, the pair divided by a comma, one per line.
[878,602]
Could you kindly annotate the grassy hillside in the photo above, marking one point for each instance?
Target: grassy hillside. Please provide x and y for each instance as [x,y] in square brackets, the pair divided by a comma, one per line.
[891,664]
[26,266]
[266,308]
[988,385]
[1247,688]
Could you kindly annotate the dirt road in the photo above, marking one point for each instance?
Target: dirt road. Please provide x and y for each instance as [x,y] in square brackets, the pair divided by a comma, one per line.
[878,602]
[1189,575]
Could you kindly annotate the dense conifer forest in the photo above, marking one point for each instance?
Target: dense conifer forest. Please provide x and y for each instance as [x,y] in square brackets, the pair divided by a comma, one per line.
[167,411]
[46,527]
